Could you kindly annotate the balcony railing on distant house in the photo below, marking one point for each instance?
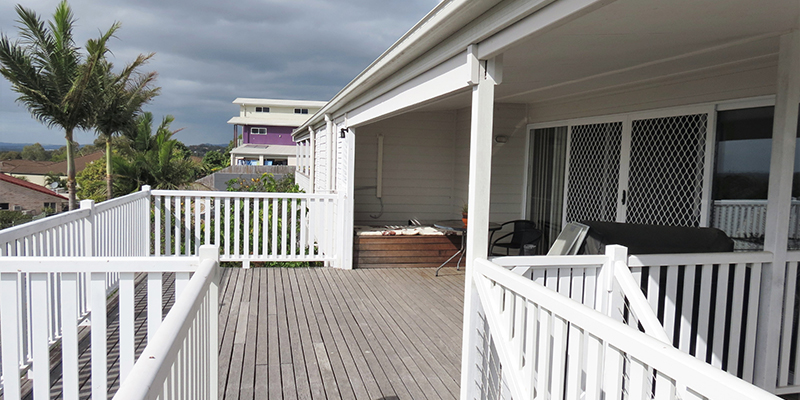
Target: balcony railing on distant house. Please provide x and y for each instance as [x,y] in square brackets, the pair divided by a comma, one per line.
[745,221]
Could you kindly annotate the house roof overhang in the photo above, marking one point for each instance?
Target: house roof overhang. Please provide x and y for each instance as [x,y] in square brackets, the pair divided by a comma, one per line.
[554,51]
[264,150]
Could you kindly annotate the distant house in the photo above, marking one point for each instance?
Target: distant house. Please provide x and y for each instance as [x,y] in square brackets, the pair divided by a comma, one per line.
[36,171]
[20,195]
[266,134]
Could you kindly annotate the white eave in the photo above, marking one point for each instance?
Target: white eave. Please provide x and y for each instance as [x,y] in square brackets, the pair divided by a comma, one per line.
[265,150]
[271,119]
[278,102]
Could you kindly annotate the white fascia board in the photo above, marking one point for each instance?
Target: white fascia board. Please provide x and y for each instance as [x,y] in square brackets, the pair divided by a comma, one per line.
[446,78]
[274,119]
[278,102]
[546,19]
[410,56]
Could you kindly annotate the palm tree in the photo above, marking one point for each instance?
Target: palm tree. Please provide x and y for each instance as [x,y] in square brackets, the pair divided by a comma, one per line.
[152,158]
[119,98]
[52,78]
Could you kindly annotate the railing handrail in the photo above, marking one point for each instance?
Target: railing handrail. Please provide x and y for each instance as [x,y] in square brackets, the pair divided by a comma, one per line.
[551,261]
[108,204]
[151,369]
[38,225]
[688,370]
[259,195]
[58,264]
[646,260]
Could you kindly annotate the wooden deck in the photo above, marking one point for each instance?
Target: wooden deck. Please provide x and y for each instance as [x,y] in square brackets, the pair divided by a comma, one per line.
[331,334]
[316,333]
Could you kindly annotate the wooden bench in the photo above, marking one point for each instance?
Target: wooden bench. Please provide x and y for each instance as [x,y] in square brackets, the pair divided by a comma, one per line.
[417,251]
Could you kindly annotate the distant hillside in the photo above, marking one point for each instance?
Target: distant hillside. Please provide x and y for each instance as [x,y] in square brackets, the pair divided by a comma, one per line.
[18,146]
[200,150]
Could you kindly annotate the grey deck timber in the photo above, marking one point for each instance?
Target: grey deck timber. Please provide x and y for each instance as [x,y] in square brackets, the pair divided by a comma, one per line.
[320,333]
[315,333]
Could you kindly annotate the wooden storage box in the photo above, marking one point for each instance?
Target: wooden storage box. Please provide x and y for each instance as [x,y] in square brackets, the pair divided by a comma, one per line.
[417,251]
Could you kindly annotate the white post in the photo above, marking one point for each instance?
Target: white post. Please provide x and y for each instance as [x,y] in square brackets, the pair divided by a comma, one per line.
[784,133]
[148,227]
[212,252]
[346,201]
[480,171]
[605,284]
[312,160]
[88,228]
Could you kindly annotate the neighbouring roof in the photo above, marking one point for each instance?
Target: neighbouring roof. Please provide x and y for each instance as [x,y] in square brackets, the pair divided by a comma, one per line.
[28,185]
[272,119]
[27,167]
[265,150]
[279,103]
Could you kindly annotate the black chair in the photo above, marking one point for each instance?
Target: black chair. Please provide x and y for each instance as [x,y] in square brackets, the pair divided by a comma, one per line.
[525,232]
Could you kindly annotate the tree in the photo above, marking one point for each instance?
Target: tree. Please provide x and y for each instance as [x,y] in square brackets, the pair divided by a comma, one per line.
[51,76]
[214,161]
[154,159]
[35,152]
[91,183]
[10,155]
[119,98]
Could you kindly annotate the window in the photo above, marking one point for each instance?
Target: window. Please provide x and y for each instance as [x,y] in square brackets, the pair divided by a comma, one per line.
[4,206]
[301,111]
[262,109]
[50,205]
[258,131]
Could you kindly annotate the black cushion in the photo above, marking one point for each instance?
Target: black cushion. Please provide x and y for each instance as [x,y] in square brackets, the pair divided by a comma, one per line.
[654,239]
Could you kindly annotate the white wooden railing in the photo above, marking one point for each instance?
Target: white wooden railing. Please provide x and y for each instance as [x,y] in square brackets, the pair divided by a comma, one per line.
[747,218]
[247,226]
[199,289]
[112,228]
[180,362]
[548,341]
[789,353]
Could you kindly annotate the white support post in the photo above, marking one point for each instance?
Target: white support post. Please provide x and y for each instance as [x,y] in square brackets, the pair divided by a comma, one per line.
[784,133]
[330,155]
[480,172]
[313,158]
[605,284]
[88,228]
[347,203]
[146,216]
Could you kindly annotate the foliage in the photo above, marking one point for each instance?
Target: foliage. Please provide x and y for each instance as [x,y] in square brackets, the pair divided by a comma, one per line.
[10,155]
[52,177]
[35,152]
[154,159]
[266,183]
[51,76]
[91,181]
[13,218]
[214,161]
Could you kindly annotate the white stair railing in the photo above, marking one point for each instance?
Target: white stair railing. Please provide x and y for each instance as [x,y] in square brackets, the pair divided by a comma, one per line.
[180,362]
[550,346]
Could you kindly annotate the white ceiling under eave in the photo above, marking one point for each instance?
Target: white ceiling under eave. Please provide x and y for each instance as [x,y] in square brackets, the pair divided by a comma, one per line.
[645,46]
[631,43]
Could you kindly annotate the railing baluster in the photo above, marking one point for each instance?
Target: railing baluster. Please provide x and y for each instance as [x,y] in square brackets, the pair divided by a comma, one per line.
[670,300]
[284,224]
[717,345]
[227,226]
[237,219]
[274,227]
[157,230]
[69,336]
[265,227]
[752,320]
[217,218]
[246,232]
[303,228]
[178,226]
[737,308]
[196,203]
[154,305]
[687,309]
[256,217]
[126,324]
[207,210]
[293,243]
[9,333]
[187,226]
[39,326]
[98,336]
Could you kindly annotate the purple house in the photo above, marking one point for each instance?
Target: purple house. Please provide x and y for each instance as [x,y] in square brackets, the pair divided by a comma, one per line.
[265,137]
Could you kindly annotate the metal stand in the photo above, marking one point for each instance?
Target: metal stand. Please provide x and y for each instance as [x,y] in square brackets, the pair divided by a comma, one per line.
[460,251]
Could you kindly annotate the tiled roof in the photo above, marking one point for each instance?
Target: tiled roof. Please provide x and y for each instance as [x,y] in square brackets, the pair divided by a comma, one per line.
[27,167]
[32,186]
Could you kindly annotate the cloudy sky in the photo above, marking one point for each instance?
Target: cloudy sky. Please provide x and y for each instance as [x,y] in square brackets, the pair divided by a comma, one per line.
[209,52]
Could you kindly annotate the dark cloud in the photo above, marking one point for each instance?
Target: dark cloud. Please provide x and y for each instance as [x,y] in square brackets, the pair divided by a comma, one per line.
[210,52]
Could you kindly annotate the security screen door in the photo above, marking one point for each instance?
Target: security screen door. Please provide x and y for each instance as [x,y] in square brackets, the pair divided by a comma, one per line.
[644,170]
